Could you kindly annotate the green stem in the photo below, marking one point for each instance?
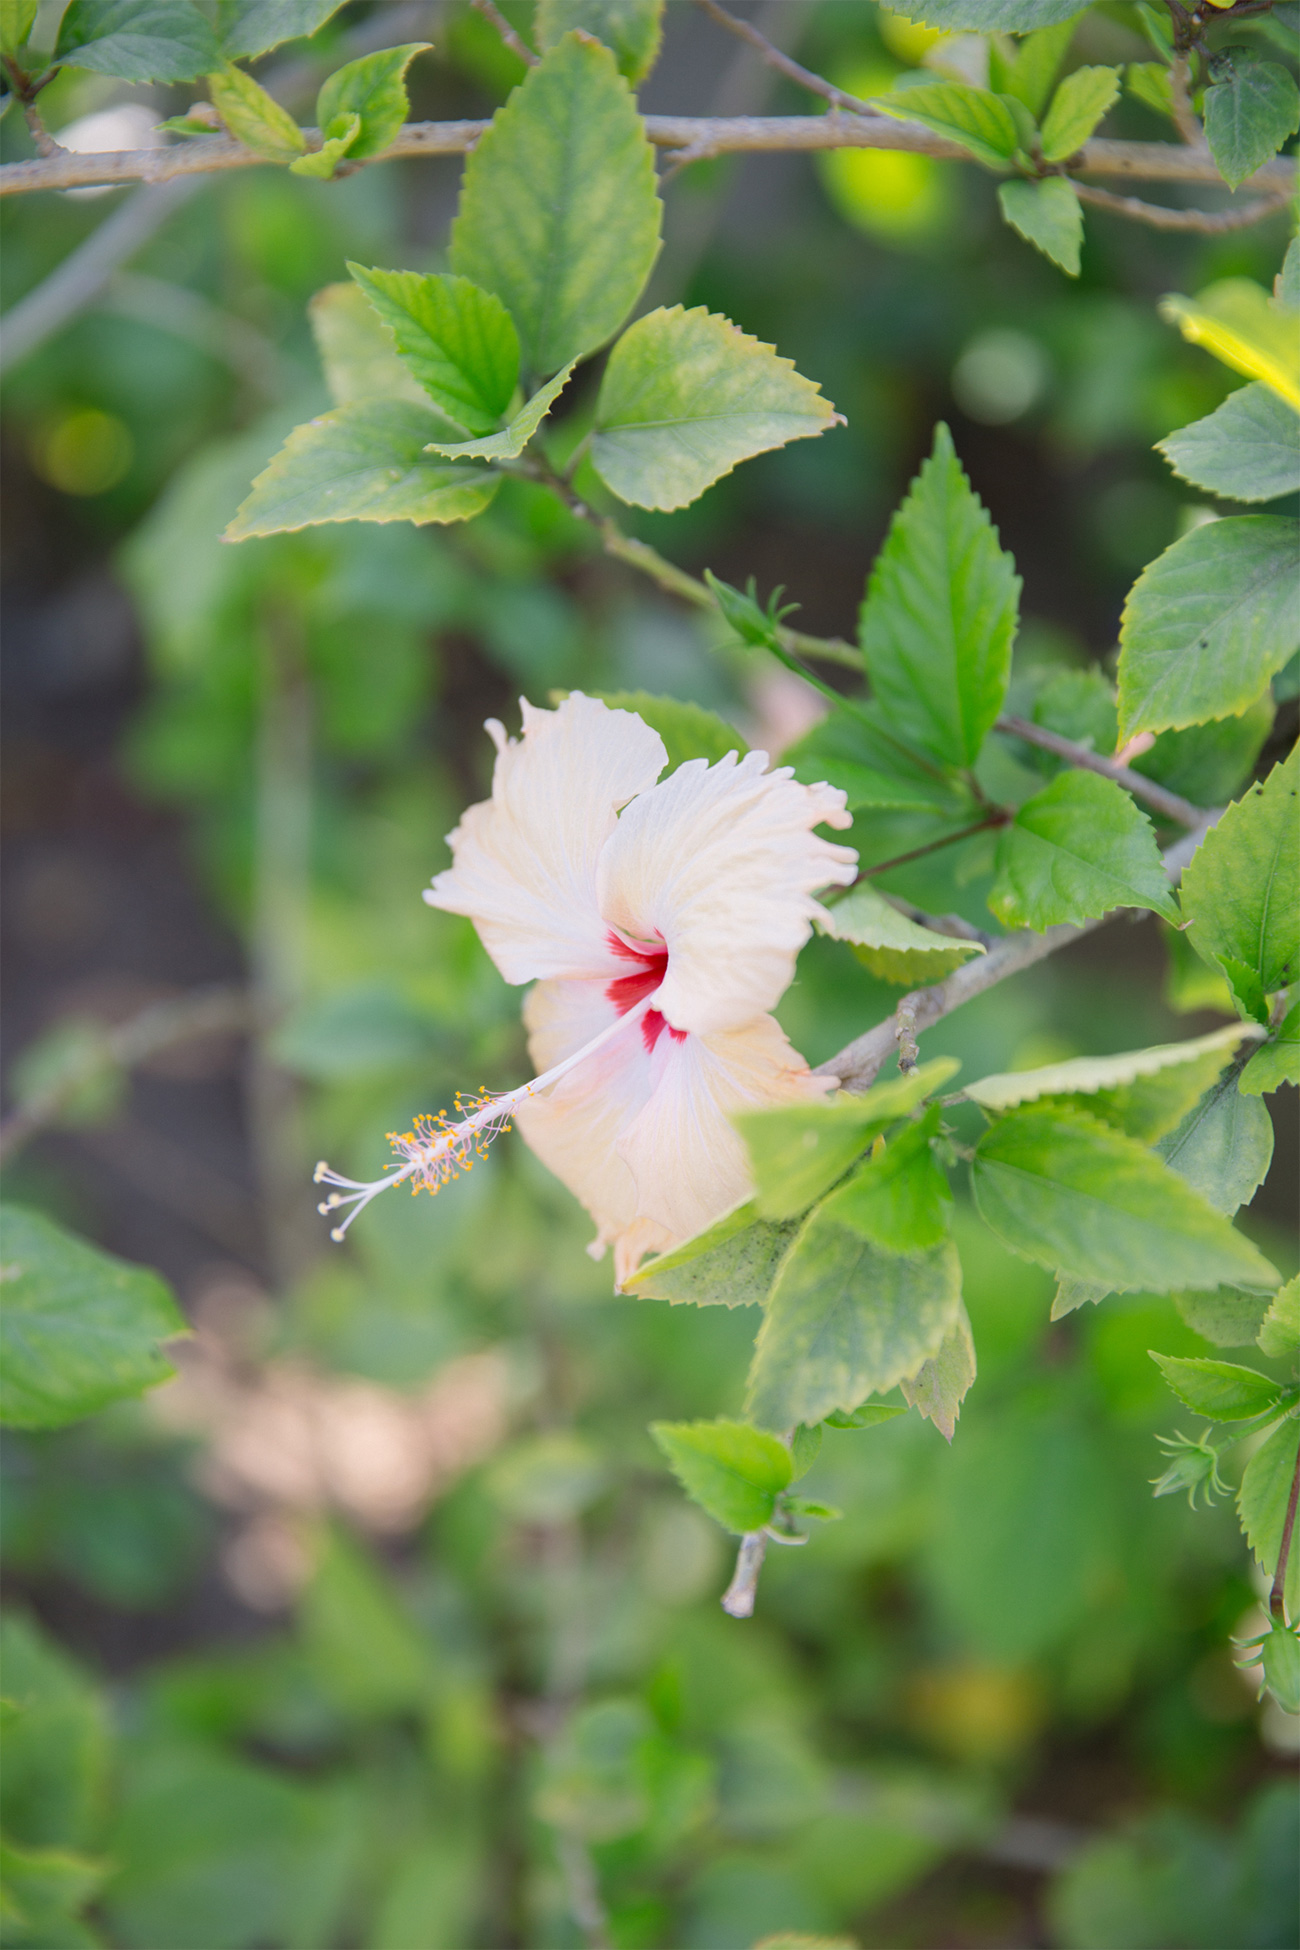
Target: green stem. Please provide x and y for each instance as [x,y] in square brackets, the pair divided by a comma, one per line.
[1276,1600]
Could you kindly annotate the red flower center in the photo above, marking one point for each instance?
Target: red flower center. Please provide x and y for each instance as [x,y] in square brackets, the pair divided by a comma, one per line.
[627,990]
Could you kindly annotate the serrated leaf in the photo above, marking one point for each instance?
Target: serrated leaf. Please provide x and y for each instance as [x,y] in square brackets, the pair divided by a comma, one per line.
[940,1385]
[1262,1503]
[558,212]
[1049,216]
[1062,1188]
[1241,891]
[733,1471]
[1028,73]
[1113,1084]
[1227,1316]
[686,395]
[356,349]
[364,462]
[688,730]
[1079,705]
[373,88]
[940,614]
[1077,849]
[797,1151]
[515,436]
[1223,1147]
[1279,1333]
[982,122]
[1077,107]
[248,27]
[630,29]
[1248,449]
[855,751]
[137,40]
[79,1328]
[1234,320]
[899,1199]
[892,946]
[984,16]
[457,341]
[339,137]
[1072,1294]
[1279,1060]
[1250,109]
[731,1264]
[1208,763]
[1220,1390]
[253,117]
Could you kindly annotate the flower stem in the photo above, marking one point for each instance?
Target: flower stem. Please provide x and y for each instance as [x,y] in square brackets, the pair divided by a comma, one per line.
[1276,1598]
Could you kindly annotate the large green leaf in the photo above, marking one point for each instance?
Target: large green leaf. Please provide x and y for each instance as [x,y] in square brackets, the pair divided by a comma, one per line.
[1077,107]
[1250,109]
[940,614]
[1062,1188]
[558,212]
[79,1328]
[1048,215]
[1208,623]
[457,341]
[364,462]
[138,40]
[1142,1092]
[356,350]
[1248,449]
[733,1471]
[892,946]
[1241,892]
[631,29]
[899,1199]
[1279,1060]
[516,434]
[1279,1332]
[1222,1391]
[1077,849]
[374,89]
[983,123]
[941,1384]
[731,1264]
[685,396]
[856,751]
[1223,1147]
[1262,1503]
[247,27]
[846,1320]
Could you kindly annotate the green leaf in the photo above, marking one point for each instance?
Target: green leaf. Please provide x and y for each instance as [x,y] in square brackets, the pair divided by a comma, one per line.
[558,212]
[1236,320]
[940,1385]
[1279,1334]
[1208,622]
[984,16]
[373,88]
[1208,763]
[137,40]
[686,395]
[1063,1189]
[1029,72]
[805,1447]
[1072,1294]
[1190,984]
[855,751]
[1223,1147]
[731,1264]
[1077,849]
[940,614]
[866,1416]
[253,117]
[1248,449]
[730,1469]
[891,946]
[798,1151]
[847,1320]
[1240,894]
[1077,704]
[247,27]
[1279,1654]
[1250,109]
[1049,216]
[1225,1315]
[457,341]
[1149,81]
[339,138]
[16,17]
[630,29]
[79,1328]
[1262,1504]
[1219,1390]
[983,123]
[56,1742]
[363,462]
[513,438]
[688,731]
[46,1887]
[899,1199]
[1077,107]
[356,349]
[799,1506]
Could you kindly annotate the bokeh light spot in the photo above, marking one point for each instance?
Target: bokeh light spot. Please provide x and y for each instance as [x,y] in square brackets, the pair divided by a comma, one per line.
[82,451]
[999,376]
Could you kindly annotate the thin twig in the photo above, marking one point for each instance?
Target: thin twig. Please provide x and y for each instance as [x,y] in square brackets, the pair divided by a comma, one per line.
[1277,1596]
[996,816]
[738,1598]
[1160,216]
[1185,120]
[497,19]
[817,84]
[1168,804]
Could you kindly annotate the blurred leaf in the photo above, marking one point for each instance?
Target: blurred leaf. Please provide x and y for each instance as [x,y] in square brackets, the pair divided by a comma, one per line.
[867,1415]
[631,29]
[1065,1190]
[42,1890]
[137,40]
[1071,1294]
[687,730]
[941,1384]
[253,117]
[731,1470]
[362,462]
[1220,1390]
[1149,81]
[899,1200]
[1207,623]
[1077,107]
[769,1780]
[246,27]
[805,1447]
[547,1478]
[939,615]
[559,215]
[1279,1334]
[1028,67]
[71,1070]
[1279,1654]
[1241,891]
[1190,984]
[56,1742]
[433,1893]
[364,1649]
[1207,763]
[1077,849]
[357,351]
[353,1032]
[79,1327]
[1142,1092]
[1279,1060]
[1223,1146]
[1225,1316]
[16,18]
[1080,705]
[594,1777]
[1262,1504]
[1235,321]
[373,88]
[457,341]
[1248,449]
[983,123]
[514,437]
[1250,109]
[983,16]
[891,946]
[1049,216]
[730,1264]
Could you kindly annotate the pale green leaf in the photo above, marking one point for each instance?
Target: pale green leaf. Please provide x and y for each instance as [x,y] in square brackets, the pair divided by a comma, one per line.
[731,1264]
[898,1199]
[1077,849]
[867,1415]
[1241,891]
[1223,1147]
[246,27]
[847,1320]
[456,340]
[1227,1316]
[686,395]
[1262,1503]
[79,1328]
[1250,109]
[1027,68]
[1077,107]
[16,17]
[688,730]
[514,437]
[559,215]
[984,16]
[1049,216]
[356,349]
[364,462]
[1248,449]
[1063,1189]
[1279,1333]
[1279,1060]
[373,88]
[797,1151]
[1088,1074]
[1149,81]
[940,1385]
[890,945]
[984,124]
[805,1447]
[253,117]
[631,29]
[339,138]
[1072,1294]
[1279,1654]
[1220,1390]
[733,1471]
[137,40]
[939,615]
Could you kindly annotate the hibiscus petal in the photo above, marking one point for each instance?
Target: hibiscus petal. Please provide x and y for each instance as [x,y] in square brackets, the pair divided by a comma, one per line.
[721,862]
[524,861]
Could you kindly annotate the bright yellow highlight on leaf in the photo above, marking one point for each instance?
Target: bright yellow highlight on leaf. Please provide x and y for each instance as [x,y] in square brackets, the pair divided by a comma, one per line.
[1236,321]
[889,193]
[908,39]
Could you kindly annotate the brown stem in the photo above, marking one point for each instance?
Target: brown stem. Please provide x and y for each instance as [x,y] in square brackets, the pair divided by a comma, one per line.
[1276,1601]
[1207,223]
[998,816]
[1168,804]
[517,47]
[774,57]
[1185,120]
